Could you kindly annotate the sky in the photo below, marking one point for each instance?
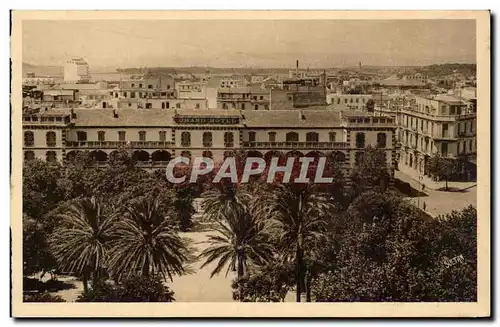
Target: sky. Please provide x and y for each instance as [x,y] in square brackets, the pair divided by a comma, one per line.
[249,43]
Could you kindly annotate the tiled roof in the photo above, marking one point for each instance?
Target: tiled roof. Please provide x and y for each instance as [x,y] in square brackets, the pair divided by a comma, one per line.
[126,117]
[292,118]
[251,118]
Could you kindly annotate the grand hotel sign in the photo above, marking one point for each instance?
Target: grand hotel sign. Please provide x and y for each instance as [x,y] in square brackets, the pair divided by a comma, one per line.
[210,120]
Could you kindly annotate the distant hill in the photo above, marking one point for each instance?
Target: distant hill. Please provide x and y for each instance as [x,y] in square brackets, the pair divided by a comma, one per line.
[448,69]
[42,70]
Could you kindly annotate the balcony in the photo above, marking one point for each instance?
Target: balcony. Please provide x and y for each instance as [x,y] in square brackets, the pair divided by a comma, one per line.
[296,145]
[120,144]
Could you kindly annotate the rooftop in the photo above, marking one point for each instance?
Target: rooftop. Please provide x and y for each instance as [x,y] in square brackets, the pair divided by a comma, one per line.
[251,118]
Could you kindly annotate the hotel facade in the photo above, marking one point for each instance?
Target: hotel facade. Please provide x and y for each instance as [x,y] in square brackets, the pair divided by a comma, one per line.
[154,136]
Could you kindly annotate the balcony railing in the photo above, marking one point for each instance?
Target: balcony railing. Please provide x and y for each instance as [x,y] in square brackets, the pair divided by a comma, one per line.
[297,145]
[120,144]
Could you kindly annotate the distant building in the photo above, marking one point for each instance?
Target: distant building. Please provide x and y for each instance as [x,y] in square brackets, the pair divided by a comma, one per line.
[352,101]
[76,70]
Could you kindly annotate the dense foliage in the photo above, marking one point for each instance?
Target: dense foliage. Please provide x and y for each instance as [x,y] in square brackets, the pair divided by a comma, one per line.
[133,289]
[325,242]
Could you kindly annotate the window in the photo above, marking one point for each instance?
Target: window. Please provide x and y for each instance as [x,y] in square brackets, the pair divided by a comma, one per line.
[132,94]
[167,105]
[224,106]
[345,100]
[338,101]
[360,140]
[142,136]
[186,139]
[470,145]
[292,137]
[150,86]
[272,136]
[242,106]
[228,140]
[262,97]
[163,94]
[445,130]
[251,136]
[266,106]
[332,136]
[470,127]
[163,105]
[29,155]
[29,138]
[312,137]
[444,149]
[149,105]
[357,100]
[351,100]
[121,135]
[51,156]
[178,105]
[81,136]
[256,107]
[133,85]
[162,136]
[101,136]
[197,106]
[207,139]
[207,154]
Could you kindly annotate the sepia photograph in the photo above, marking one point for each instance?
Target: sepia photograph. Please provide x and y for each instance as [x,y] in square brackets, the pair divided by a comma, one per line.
[250,164]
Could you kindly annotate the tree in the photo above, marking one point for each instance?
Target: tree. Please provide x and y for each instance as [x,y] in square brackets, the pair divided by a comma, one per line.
[371,170]
[395,252]
[241,242]
[42,189]
[221,201]
[81,243]
[269,283]
[133,289]
[297,218]
[145,242]
[36,254]
[442,168]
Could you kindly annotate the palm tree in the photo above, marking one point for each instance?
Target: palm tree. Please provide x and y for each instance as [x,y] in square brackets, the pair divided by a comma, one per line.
[297,218]
[145,242]
[222,199]
[80,243]
[241,242]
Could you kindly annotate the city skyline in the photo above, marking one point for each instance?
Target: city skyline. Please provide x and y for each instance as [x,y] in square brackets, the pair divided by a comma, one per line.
[266,43]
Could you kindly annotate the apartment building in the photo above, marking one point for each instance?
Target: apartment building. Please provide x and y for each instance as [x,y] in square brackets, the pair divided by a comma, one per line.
[443,124]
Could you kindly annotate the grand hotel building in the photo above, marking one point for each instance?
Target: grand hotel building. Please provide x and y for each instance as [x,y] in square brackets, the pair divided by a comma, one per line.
[155,136]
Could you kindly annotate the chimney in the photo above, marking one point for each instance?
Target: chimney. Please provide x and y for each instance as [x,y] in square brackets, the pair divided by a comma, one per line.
[301,115]
[115,114]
